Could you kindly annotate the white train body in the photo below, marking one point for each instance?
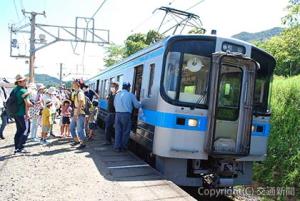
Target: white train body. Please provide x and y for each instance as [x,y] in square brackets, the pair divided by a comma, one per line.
[205,106]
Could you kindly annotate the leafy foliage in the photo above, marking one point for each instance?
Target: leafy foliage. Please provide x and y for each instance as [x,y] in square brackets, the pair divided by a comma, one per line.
[293,17]
[133,43]
[286,49]
[197,31]
[282,166]
[114,53]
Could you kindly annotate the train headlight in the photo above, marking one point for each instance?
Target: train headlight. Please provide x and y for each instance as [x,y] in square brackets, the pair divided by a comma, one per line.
[192,122]
[253,128]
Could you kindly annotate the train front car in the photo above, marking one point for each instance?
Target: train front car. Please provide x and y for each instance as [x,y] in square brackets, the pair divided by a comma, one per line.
[212,118]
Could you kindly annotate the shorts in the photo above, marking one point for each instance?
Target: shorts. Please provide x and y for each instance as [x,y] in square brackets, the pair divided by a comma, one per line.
[45,129]
[65,120]
[92,126]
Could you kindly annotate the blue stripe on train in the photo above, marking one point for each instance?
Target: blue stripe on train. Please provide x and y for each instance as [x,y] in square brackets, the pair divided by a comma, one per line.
[169,120]
[103,104]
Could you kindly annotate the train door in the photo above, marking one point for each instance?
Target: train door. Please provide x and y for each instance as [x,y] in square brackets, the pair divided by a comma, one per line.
[230,105]
[136,89]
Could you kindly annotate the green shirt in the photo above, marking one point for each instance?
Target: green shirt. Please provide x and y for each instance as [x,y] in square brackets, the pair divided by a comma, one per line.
[20,91]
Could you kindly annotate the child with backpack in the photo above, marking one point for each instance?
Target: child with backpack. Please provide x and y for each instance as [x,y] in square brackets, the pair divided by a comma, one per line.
[92,126]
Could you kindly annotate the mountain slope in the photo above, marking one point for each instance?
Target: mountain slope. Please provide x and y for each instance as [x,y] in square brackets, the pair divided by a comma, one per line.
[258,36]
[47,80]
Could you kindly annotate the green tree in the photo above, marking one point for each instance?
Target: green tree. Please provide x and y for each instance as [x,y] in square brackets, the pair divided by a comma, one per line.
[133,43]
[197,31]
[153,37]
[293,17]
[286,47]
[114,53]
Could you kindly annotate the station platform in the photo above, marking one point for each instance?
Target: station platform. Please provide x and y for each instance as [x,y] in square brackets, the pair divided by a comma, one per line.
[140,180]
[61,172]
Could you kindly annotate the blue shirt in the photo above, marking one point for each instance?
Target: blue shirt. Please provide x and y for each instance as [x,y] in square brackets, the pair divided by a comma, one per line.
[125,101]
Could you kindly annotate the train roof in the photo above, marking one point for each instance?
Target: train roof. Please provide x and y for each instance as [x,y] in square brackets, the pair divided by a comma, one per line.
[169,39]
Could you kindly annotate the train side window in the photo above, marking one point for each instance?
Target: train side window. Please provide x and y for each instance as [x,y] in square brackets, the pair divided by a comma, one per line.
[171,74]
[101,89]
[110,81]
[120,79]
[106,85]
[151,78]
[97,88]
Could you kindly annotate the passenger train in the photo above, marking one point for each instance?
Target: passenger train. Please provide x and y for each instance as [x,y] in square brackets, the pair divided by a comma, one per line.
[204,116]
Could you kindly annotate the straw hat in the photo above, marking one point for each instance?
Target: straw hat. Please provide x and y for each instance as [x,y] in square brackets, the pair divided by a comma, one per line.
[51,90]
[66,100]
[20,78]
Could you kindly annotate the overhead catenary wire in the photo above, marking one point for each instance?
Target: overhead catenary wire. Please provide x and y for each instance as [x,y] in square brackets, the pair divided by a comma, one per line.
[16,9]
[98,8]
[196,4]
[148,18]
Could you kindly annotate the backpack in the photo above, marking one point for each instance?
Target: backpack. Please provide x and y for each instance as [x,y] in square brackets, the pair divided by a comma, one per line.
[87,105]
[11,104]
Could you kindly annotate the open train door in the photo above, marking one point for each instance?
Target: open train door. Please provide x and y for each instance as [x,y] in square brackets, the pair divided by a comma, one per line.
[230,104]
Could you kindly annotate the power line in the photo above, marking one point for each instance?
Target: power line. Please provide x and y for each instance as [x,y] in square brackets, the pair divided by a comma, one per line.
[22,5]
[142,23]
[196,4]
[99,8]
[148,18]
[170,3]
[16,10]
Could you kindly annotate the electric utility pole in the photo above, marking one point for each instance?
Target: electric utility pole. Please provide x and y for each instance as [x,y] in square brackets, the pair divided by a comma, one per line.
[32,41]
[86,33]
[60,73]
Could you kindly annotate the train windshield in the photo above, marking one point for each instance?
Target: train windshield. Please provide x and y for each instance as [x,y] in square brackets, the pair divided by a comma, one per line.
[263,79]
[186,72]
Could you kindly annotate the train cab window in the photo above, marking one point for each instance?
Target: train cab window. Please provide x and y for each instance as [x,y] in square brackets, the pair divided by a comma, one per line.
[186,72]
[194,79]
[151,78]
[263,80]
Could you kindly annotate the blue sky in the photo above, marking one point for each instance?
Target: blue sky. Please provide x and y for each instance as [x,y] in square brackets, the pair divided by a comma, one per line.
[228,17]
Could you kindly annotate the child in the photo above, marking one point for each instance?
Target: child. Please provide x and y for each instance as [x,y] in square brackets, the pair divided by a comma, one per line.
[46,122]
[66,114]
[92,120]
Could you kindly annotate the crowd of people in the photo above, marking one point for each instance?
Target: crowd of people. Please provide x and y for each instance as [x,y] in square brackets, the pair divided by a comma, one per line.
[34,106]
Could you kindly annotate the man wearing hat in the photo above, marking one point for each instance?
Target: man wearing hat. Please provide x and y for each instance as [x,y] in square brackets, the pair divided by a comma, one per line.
[124,102]
[21,115]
